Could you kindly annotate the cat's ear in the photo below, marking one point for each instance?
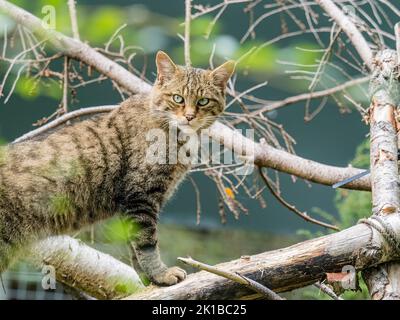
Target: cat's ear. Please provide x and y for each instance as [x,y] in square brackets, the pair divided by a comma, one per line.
[166,68]
[222,74]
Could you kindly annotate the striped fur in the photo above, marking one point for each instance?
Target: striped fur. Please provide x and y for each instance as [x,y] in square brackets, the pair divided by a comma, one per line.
[94,169]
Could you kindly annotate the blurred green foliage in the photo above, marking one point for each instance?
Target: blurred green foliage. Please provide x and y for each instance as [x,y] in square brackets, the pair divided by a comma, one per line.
[151,31]
[99,24]
[29,88]
[118,231]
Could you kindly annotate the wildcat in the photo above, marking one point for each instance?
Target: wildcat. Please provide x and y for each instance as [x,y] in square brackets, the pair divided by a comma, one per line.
[94,169]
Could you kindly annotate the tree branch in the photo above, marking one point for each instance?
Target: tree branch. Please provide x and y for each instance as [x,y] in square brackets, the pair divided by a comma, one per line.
[263,155]
[84,268]
[188,17]
[73,18]
[285,269]
[304,97]
[76,49]
[384,282]
[355,36]
[249,283]
[291,207]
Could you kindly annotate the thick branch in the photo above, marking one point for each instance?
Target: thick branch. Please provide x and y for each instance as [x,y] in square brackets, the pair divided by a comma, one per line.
[285,269]
[384,281]
[84,268]
[265,155]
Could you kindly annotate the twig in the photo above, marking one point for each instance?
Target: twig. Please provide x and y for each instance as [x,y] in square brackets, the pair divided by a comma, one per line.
[74,20]
[355,36]
[76,49]
[305,96]
[65,86]
[5,37]
[16,58]
[77,294]
[214,21]
[205,10]
[291,207]
[188,10]
[328,291]
[397,33]
[62,120]
[249,283]
[198,201]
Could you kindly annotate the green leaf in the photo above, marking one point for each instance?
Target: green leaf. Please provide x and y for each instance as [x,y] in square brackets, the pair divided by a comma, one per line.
[120,230]
[27,88]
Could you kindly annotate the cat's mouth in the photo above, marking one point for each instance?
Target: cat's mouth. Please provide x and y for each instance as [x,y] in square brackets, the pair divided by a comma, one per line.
[187,127]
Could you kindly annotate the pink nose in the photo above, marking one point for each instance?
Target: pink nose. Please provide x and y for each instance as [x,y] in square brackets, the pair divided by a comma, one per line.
[189,117]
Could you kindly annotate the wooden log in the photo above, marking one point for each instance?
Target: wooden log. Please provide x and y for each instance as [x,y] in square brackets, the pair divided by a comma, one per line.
[285,269]
[384,281]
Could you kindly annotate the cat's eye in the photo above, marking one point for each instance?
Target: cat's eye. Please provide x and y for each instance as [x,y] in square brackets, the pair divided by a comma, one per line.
[203,101]
[177,98]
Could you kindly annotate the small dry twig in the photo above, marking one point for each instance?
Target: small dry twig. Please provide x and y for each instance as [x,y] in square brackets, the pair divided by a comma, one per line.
[249,283]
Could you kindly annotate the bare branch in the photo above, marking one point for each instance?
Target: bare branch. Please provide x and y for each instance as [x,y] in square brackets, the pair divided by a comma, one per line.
[304,97]
[263,155]
[397,33]
[84,268]
[76,49]
[285,269]
[73,18]
[384,282]
[65,86]
[188,16]
[359,42]
[251,284]
[291,207]
[62,120]
[328,291]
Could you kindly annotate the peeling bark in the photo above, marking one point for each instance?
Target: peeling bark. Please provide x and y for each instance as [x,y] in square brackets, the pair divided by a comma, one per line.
[285,269]
[384,281]
[281,270]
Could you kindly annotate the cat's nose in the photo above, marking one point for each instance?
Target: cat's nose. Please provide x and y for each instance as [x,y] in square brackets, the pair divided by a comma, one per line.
[189,117]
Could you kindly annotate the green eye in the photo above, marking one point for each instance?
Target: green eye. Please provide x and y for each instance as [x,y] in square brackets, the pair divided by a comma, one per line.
[203,101]
[177,98]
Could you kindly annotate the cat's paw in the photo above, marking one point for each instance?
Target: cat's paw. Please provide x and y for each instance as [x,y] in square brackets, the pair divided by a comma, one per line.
[170,276]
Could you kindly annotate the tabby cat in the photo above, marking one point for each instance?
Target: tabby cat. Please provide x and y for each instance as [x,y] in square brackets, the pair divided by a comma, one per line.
[94,169]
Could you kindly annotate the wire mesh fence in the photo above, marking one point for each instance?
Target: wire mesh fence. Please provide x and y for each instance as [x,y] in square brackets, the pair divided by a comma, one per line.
[23,282]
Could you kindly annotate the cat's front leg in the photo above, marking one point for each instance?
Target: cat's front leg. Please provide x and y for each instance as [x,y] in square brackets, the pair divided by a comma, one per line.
[147,253]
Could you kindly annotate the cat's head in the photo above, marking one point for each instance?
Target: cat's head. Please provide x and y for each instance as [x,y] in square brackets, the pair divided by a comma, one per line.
[189,98]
